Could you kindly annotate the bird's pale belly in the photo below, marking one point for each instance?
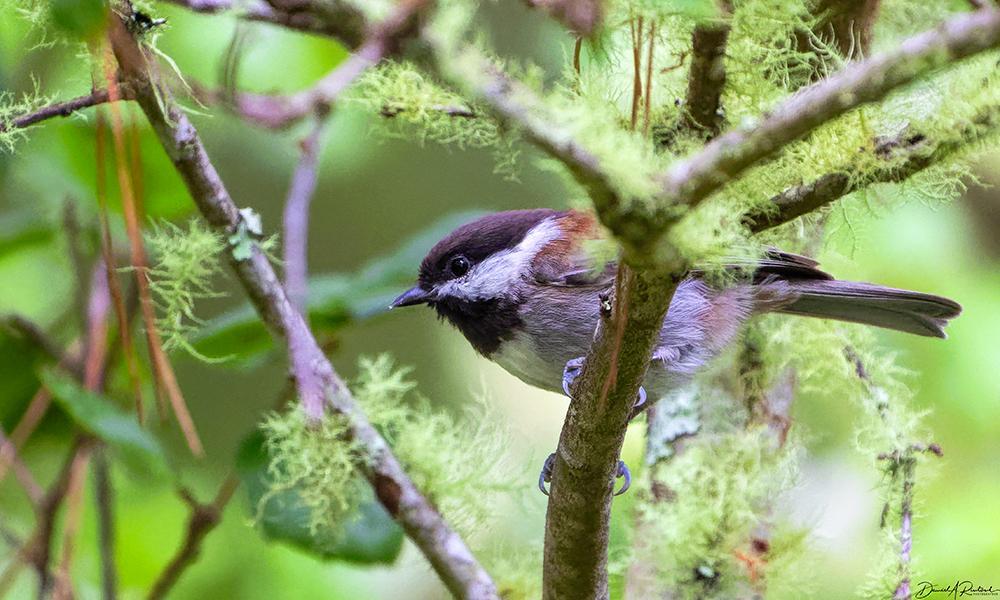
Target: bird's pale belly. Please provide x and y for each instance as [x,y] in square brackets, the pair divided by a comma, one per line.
[521,357]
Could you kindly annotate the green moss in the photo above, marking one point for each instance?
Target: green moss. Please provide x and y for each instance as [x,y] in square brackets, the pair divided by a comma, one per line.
[445,456]
[186,261]
[412,106]
[11,107]
[719,494]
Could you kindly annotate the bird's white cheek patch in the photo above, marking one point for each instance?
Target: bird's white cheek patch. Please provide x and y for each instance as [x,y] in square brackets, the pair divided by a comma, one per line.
[495,276]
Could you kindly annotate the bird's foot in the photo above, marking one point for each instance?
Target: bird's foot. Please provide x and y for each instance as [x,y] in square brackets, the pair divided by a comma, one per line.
[640,404]
[623,472]
[545,476]
[573,369]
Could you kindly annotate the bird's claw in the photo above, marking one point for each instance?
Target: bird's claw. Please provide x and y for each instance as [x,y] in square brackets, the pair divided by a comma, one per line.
[573,369]
[640,404]
[545,476]
[623,472]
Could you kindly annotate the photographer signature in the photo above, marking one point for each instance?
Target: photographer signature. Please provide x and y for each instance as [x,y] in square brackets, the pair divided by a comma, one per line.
[956,590]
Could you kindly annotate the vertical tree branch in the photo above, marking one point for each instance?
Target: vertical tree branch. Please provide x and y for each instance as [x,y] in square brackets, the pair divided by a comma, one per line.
[576,522]
[105,499]
[902,591]
[29,421]
[707,75]
[636,24]
[110,275]
[32,490]
[74,500]
[296,217]
[163,372]
[846,23]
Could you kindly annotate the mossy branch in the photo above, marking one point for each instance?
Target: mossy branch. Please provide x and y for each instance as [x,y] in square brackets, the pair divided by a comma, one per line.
[283,111]
[60,109]
[902,157]
[339,20]
[690,181]
[318,383]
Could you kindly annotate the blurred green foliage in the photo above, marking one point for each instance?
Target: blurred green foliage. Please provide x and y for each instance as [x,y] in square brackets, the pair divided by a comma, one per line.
[334,300]
[137,449]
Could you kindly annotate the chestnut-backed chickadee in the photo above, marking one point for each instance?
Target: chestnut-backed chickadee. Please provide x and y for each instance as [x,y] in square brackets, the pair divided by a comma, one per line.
[520,287]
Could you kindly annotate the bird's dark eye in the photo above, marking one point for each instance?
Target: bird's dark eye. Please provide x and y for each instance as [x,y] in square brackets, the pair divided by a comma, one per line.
[458,266]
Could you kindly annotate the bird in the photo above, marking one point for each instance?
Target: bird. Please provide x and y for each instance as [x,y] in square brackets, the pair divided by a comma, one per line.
[522,288]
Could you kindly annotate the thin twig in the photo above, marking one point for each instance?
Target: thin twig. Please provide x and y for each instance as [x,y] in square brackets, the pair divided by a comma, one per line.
[32,416]
[162,370]
[110,271]
[444,549]
[647,94]
[901,468]
[577,50]
[636,27]
[78,257]
[60,109]
[36,336]
[296,216]
[105,499]
[339,20]
[22,473]
[74,501]
[203,519]
[38,548]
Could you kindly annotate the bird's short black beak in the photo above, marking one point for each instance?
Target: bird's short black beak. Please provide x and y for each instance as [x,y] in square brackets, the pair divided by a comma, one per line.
[411,297]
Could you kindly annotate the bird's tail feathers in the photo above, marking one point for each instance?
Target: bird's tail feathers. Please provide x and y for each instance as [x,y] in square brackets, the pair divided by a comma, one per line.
[869,304]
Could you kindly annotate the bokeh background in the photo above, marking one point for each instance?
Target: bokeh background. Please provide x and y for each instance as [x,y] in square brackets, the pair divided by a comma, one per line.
[374,193]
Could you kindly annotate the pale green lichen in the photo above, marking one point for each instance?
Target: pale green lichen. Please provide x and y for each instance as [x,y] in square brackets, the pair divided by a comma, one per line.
[721,491]
[459,464]
[186,263]
[12,107]
[411,106]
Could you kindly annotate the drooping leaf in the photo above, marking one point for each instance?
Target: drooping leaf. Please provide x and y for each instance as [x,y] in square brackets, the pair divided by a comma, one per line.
[334,300]
[18,381]
[370,536]
[96,414]
[80,18]
[20,229]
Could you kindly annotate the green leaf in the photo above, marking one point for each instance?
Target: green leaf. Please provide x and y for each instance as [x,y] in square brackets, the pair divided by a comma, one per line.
[370,537]
[334,301]
[81,18]
[96,414]
[18,382]
[20,229]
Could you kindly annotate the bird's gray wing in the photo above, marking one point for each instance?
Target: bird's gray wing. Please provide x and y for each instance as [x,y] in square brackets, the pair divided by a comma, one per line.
[578,272]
